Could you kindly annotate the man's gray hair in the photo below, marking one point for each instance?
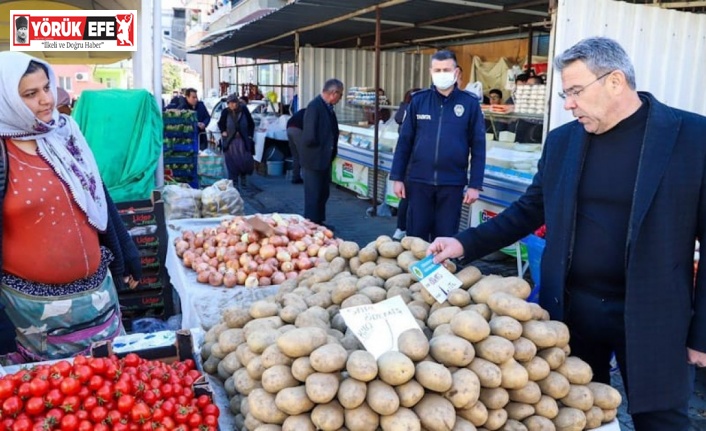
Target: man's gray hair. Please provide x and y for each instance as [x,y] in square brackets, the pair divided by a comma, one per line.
[601,55]
[333,84]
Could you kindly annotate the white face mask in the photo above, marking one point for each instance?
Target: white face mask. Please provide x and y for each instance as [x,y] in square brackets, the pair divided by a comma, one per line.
[443,80]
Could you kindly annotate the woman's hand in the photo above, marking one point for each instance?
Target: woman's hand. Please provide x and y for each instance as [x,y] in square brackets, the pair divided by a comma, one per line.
[131,282]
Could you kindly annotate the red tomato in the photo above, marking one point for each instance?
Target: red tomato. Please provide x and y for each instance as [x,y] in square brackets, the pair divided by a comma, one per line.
[54,415]
[202,401]
[23,391]
[22,424]
[168,423]
[69,423]
[81,415]
[105,393]
[98,414]
[211,409]
[131,360]
[83,373]
[71,404]
[7,388]
[38,387]
[113,417]
[80,360]
[125,403]
[195,420]
[62,367]
[85,425]
[95,382]
[54,398]
[98,365]
[210,420]
[34,406]
[121,387]
[181,415]
[120,427]
[140,412]
[70,386]
[12,406]
[168,407]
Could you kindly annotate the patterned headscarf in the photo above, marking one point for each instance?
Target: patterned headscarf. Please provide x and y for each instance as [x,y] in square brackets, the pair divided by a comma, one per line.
[59,142]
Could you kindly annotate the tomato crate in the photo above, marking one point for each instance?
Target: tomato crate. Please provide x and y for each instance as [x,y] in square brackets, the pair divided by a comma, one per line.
[149,262]
[142,212]
[139,300]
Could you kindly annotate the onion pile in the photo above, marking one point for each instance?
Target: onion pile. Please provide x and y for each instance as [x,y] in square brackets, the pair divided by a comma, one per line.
[233,253]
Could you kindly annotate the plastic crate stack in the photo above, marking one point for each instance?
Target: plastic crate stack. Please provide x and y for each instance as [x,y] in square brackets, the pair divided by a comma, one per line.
[181,147]
[154,295]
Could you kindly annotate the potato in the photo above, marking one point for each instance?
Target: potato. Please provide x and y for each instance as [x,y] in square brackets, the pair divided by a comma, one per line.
[211,365]
[444,329]
[301,341]
[376,294]
[263,308]
[609,415]
[496,419]
[260,340]
[414,344]
[322,298]
[451,350]
[465,388]
[482,289]
[261,405]
[244,354]
[477,414]
[505,304]
[230,339]
[594,417]
[328,358]
[579,397]
[401,280]
[554,356]
[289,313]
[356,300]
[569,419]
[540,333]
[390,249]
[561,330]
[351,393]
[513,425]
[394,368]
[519,411]
[539,423]
[576,371]
[459,298]
[406,259]
[530,394]
[463,425]
[268,427]
[230,363]
[555,385]
[525,350]
[354,263]
[328,417]
[255,368]
[251,423]
[402,420]
[399,291]
[441,316]
[433,376]
[366,269]
[361,418]
[488,373]
[277,378]
[547,407]
[387,270]
[361,365]
[506,327]
[470,325]
[514,375]
[605,396]
[537,368]
[298,423]
[436,413]
[293,400]
[345,288]
[321,387]
[348,249]
[469,276]
[236,317]
[382,398]
[494,398]
[301,368]
[495,349]
[410,393]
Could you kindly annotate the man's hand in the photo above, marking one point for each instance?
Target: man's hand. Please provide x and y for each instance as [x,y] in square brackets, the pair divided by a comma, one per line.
[398,188]
[131,282]
[696,358]
[445,248]
[201,125]
[471,196]
[224,134]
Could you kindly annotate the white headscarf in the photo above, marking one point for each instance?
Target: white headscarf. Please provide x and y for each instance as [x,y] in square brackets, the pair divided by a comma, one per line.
[59,142]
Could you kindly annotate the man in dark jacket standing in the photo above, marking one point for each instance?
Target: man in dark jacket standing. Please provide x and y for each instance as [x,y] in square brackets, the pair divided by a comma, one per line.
[443,126]
[319,145]
[191,102]
[622,191]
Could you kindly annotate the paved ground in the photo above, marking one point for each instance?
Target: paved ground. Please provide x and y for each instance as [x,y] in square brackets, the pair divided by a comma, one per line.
[352,221]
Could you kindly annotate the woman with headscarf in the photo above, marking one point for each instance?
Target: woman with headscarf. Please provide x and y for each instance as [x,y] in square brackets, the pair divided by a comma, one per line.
[237,129]
[65,248]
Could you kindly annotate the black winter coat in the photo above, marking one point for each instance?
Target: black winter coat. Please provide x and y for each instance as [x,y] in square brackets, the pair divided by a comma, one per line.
[319,143]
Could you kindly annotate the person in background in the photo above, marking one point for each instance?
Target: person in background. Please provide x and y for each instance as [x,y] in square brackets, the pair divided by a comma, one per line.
[63,101]
[245,99]
[535,80]
[495,96]
[237,130]
[622,193]
[400,115]
[319,146]
[176,101]
[444,125]
[66,250]
[520,80]
[294,134]
[191,102]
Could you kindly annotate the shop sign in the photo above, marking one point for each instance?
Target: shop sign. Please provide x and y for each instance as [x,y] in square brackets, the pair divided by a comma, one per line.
[350,175]
[73,30]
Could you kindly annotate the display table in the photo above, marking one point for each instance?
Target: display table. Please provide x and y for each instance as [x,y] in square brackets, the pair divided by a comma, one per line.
[202,305]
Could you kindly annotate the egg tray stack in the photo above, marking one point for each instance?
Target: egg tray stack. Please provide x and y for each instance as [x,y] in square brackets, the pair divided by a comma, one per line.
[530,99]
[154,295]
[181,147]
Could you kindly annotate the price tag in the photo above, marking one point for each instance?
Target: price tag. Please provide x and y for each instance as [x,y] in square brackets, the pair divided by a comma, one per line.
[378,326]
[436,279]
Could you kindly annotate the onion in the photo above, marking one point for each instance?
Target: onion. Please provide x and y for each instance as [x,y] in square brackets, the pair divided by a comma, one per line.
[241,276]
[202,276]
[265,270]
[215,278]
[188,235]
[276,241]
[241,247]
[251,281]
[210,252]
[201,266]
[280,231]
[295,232]
[287,266]
[265,281]
[230,279]
[188,258]
[233,239]
[244,260]
[272,262]
[278,278]
[304,263]
[213,262]
[301,245]
[283,256]
[233,264]
[198,240]
[293,250]
[220,253]
[181,246]
[253,248]
[292,274]
[251,267]
[313,250]
[254,236]
[285,239]
[267,251]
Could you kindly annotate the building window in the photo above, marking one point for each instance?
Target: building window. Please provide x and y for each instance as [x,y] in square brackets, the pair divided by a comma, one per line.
[65,82]
[167,32]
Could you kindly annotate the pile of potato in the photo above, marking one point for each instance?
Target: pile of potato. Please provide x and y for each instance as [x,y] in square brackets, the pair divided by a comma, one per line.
[484,360]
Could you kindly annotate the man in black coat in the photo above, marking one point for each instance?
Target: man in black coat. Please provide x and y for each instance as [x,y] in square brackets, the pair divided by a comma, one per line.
[191,102]
[319,145]
[622,191]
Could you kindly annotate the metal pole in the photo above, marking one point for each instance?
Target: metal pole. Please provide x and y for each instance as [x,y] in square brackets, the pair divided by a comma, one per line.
[377,113]
[529,49]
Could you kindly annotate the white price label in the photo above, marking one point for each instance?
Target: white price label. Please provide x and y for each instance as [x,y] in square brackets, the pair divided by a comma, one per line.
[436,279]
